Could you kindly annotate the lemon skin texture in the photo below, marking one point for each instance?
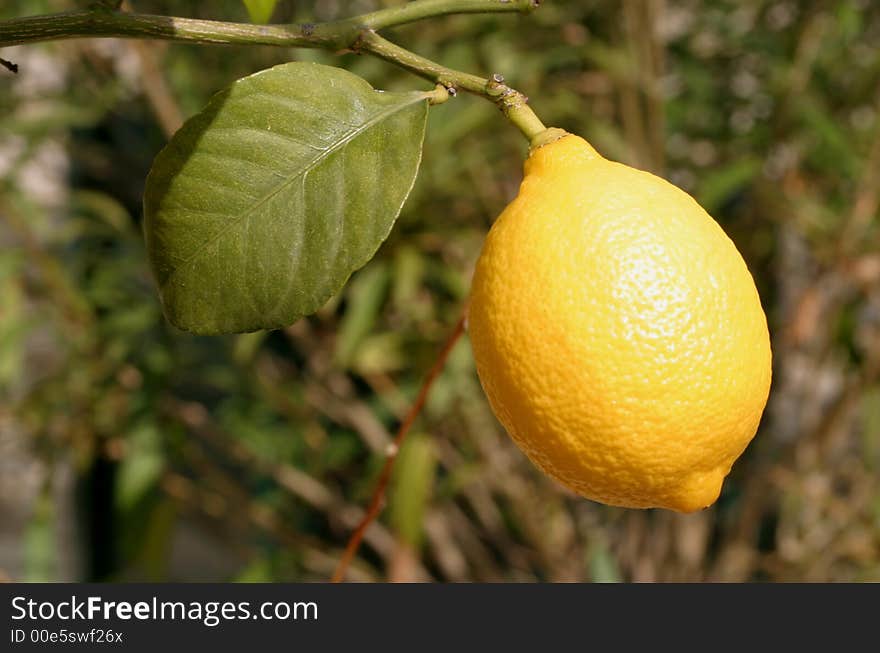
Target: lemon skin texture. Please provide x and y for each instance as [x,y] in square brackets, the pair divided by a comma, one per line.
[617,333]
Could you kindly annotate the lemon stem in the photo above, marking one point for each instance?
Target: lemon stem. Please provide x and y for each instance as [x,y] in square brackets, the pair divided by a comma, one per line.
[526,121]
[547,136]
[512,103]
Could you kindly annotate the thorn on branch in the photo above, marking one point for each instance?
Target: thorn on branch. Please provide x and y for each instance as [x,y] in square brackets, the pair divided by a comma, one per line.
[12,67]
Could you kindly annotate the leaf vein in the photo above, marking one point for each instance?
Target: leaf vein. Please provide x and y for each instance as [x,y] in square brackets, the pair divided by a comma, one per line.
[349,136]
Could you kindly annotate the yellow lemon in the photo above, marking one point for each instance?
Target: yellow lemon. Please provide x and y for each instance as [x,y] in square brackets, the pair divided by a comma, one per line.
[618,333]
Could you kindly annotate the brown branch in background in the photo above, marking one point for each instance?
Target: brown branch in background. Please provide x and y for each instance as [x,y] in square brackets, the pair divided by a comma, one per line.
[297,483]
[155,86]
[55,281]
[642,104]
[654,49]
[214,506]
[12,67]
[376,503]
[865,203]
[333,393]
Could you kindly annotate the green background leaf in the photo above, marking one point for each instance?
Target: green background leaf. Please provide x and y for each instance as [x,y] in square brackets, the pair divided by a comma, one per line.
[263,204]
[366,294]
[411,487]
[260,11]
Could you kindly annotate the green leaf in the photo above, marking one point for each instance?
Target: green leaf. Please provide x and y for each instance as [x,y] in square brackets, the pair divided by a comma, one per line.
[409,272]
[366,294]
[40,555]
[260,11]
[716,187]
[380,354]
[603,566]
[15,327]
[870,410]
[411,487]
[141,468]
[262,205]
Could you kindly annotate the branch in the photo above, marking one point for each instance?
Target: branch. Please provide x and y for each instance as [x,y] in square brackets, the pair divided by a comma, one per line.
[339,35]
[413,11]
[512,103]
[104,24]
[352,34]
[379,493]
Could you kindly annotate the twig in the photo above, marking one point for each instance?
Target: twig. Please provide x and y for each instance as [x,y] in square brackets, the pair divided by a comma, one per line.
[376,502]
[299,484]
[512,103]
[191,496]
[12,67]
[333,394]
[867,199]
[336,35]
[356,34]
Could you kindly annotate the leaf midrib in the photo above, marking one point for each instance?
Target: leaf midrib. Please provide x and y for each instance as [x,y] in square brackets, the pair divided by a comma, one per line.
[233,222]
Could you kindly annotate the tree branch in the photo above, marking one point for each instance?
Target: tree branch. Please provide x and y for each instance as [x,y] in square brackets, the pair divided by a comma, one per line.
[378,498]
[338,35]
[355,34]
[104,24]
[512,103]
[413,11]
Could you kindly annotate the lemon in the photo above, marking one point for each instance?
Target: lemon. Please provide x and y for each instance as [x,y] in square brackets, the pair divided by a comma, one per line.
[618,333]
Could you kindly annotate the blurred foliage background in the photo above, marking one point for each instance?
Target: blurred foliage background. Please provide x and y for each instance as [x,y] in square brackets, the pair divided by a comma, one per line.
[132,451]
